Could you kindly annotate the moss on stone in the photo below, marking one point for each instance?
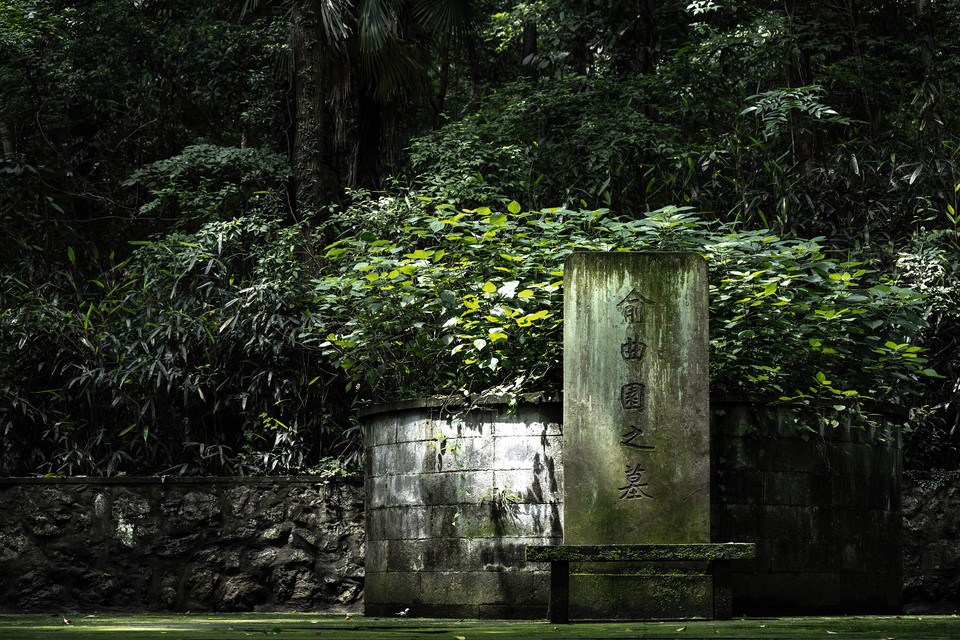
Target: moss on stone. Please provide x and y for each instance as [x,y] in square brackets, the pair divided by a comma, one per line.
[640,552]
[308,625]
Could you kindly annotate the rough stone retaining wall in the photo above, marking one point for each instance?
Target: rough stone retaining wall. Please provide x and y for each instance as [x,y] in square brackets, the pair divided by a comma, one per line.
[227,544]
[931,534]
[203,544]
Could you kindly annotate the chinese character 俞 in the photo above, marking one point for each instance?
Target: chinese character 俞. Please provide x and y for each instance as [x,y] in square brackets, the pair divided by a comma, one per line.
[632,396]
[627,439]
[633,349]
[632,307]
[635,484]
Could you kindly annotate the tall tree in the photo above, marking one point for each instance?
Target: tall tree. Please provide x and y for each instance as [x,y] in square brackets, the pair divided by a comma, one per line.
[351,63]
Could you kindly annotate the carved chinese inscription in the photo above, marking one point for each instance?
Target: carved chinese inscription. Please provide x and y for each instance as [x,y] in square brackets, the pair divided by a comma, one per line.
[633,349]
[633,307]
[633,394]
[629,439]
[635,488]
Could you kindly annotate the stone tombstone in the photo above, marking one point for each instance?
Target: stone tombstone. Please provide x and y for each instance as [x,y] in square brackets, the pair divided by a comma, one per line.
[636,433]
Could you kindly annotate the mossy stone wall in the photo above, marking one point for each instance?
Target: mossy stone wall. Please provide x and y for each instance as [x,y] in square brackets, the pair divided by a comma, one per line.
[452,498]
[179,544]
[822,505]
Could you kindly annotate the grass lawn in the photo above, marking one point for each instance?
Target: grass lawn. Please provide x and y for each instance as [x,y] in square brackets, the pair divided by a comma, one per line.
[305,625]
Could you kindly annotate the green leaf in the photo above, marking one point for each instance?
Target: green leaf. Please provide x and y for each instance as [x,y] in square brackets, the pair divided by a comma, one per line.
[489,287]
[514,207]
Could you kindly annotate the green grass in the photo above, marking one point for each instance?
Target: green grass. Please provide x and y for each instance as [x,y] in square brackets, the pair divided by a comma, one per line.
[305,625]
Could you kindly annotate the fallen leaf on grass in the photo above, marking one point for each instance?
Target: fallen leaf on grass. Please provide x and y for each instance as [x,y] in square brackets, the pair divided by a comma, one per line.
[682,629]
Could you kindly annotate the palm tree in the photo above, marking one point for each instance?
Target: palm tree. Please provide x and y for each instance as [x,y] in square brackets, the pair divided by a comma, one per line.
[352,62]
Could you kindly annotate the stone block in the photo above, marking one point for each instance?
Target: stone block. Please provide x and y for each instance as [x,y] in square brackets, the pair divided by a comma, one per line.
[400,459]
[537,421]
[464,453]
[499,554]
[788,488]
[399,523]
[537,485]
[654,595]
[395,490]
[441,427]
[380,430]
[738,452]
[455,486]
[452,554]
[787,521]
[460,587]
[520,452]
[407,555]
[740,487]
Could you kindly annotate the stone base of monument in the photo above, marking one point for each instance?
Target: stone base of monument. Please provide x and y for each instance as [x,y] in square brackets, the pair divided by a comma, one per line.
[701,589]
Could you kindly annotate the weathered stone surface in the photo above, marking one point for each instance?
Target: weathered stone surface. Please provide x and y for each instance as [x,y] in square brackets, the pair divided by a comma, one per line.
[931,513]
[822,506]
[636,432]
[180,543]
[451,498]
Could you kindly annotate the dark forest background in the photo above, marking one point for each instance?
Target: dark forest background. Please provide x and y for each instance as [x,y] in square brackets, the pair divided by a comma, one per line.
[225,225]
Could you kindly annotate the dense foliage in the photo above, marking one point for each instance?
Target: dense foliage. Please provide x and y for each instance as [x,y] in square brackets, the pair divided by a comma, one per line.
[224,227]
[482,290]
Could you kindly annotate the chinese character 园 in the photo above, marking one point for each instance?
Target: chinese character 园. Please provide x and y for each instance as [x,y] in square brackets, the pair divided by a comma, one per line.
[632,396]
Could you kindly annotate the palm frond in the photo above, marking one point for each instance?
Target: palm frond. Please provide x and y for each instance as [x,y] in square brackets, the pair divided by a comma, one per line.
[375,22]
[438,17]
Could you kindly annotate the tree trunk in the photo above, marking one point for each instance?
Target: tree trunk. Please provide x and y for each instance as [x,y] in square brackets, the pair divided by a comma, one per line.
[316,68]
[441,96]
[5,140]
[365,168]
[530,56]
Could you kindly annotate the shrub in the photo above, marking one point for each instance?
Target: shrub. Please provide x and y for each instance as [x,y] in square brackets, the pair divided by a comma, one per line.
[439,300]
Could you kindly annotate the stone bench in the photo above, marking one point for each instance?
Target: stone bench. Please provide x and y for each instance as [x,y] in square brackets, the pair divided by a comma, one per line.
[560,556]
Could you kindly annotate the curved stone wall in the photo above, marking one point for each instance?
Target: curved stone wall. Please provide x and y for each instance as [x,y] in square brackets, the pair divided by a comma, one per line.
[443,538]
[452,498]
[822,504]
